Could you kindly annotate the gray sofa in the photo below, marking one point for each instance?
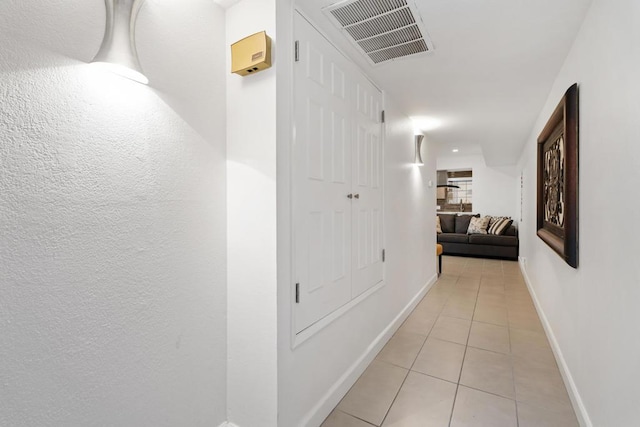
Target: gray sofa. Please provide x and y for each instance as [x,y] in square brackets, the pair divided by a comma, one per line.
[455,240]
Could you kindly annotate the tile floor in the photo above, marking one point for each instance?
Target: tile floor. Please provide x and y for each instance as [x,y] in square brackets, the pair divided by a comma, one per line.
[472,353]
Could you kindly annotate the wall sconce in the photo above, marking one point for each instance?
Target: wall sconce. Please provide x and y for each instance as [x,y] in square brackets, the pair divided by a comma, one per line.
[118,52]
[418,158]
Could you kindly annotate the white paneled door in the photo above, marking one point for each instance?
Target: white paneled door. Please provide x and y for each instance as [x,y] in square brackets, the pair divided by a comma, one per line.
[367,186]
[336,179]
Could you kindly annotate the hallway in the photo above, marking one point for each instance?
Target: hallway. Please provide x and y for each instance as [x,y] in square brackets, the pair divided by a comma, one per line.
[472,353]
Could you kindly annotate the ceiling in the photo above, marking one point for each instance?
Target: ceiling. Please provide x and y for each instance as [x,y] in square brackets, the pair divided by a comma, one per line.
[493,64]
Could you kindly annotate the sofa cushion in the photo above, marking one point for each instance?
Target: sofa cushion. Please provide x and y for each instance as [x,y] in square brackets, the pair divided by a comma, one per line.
[438,226]
[462,223]
[511,231]
[448,223]
[453,238]
[490,239]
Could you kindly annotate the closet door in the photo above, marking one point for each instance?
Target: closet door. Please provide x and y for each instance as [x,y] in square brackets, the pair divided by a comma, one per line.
[322,177]
[367,185]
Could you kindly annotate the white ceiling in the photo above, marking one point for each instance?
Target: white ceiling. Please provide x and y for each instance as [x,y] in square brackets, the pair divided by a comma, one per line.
[489,75]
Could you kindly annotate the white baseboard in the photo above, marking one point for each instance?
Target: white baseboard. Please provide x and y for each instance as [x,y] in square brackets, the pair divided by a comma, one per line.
[574,395]
[319,412]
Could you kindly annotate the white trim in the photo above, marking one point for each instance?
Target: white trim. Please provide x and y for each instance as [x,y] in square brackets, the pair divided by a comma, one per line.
[332,397]
[574,394]
[310,331]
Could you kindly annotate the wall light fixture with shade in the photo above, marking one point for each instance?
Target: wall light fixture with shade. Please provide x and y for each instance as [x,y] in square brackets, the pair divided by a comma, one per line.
[118,52]
[418,156]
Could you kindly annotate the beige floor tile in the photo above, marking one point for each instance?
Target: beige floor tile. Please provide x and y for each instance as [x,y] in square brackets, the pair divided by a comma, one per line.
[488,371]
[538,416]
[461,310]
[423,401]
[468,283]
[491,313]
[402,349]
[431,306]
[442,359]
[539,382]
[340,419]
[451,329]
[472,272]
[371,396]
[418,323]
[524,320]
[489,337]
[474,408]
[530,344]
[491,289]
[494,299]
[463,296]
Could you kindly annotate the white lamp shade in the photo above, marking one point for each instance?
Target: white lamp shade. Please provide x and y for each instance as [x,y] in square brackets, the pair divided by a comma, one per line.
[118,50]
[418,157]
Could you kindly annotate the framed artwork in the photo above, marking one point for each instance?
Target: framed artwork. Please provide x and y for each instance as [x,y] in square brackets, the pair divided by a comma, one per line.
[557,201]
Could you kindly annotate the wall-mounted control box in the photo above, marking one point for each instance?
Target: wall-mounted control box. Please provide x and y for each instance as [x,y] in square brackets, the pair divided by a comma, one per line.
[251,54]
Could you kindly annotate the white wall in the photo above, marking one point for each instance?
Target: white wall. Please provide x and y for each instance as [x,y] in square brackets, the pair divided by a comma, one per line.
[494,188]
[252,290]
[313,377]
[112,219]
[593,311]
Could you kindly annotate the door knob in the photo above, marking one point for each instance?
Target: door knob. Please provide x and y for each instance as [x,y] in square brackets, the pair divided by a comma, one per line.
[350,196]
[357,196]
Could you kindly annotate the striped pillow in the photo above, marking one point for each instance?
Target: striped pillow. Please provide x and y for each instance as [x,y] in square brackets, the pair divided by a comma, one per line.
[500,226]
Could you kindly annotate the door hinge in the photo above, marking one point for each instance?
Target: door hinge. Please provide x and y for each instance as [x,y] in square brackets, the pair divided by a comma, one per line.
[383,255]
[382,116]
[297,293]
[297,50]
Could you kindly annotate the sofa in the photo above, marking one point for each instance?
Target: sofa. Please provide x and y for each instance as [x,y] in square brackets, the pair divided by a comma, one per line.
[455,240]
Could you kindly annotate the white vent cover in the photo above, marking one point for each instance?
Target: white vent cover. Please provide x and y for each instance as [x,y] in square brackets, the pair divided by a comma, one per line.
[383,30]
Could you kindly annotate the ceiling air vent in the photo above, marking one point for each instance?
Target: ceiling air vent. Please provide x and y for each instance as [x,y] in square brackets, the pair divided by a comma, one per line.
[382,30]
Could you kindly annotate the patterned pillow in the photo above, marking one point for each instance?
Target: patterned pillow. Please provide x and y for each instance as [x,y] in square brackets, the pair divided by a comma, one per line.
[496,218]
[500,226]
[478,225]
[438,227]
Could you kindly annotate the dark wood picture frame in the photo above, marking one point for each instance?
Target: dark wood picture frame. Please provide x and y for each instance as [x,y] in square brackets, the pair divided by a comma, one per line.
[557,204]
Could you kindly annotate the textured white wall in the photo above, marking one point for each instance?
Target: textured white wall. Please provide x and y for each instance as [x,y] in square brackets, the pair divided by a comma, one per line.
[495,189]
[112,219]
[251,149]
[593,311]
[314,376]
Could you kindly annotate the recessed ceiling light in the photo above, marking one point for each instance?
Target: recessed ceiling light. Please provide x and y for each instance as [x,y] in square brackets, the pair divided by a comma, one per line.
[455,150]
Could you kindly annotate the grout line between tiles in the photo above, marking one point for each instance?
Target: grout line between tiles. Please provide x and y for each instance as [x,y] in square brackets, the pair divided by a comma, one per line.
[455,396]
[415,358]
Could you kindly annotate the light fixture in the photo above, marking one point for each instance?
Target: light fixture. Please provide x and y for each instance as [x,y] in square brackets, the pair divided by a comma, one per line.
[455,150]
[118,52]
[418,157]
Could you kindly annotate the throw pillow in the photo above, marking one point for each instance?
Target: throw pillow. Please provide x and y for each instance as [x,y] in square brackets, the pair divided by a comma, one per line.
[496,218]
[462,223]
[438,227]
[448,223]
[478,225]
[500,226]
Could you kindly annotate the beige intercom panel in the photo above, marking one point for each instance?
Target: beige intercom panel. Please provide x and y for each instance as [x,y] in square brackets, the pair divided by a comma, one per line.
[251,54]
